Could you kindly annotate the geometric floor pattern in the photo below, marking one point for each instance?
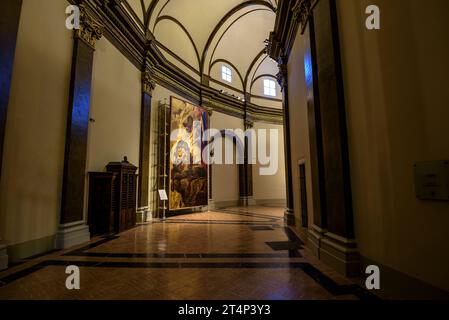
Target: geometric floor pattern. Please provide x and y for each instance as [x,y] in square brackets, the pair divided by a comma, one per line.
[234,254]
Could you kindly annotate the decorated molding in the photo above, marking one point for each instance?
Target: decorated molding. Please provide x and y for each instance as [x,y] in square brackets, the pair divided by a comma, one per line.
[282,75]
[249,123]
[91,29]
[301,13]
[148,81]
[210,111]
[291,16]
[263,114]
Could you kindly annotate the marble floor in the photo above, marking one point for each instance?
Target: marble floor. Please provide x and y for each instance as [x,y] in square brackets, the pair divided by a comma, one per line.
[231,254]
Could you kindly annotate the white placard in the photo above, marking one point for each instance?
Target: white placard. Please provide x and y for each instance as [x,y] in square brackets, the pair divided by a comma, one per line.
[163,195]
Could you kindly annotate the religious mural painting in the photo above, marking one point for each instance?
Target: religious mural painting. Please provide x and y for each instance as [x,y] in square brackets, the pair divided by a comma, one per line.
[188,175]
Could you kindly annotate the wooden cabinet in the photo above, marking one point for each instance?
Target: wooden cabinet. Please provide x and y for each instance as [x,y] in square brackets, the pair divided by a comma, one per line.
[112,198]
[126,184]
[102,202]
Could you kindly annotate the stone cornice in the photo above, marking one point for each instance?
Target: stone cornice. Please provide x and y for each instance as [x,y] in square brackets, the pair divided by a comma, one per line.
[292,15]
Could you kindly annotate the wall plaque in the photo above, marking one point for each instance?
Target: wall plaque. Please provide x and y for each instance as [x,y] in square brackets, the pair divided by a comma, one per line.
[432,180]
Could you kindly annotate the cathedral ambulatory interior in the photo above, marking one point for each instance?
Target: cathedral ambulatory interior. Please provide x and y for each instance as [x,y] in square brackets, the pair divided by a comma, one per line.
[224,150]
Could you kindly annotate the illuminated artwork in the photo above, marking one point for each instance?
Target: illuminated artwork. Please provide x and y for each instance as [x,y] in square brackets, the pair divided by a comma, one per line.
[188,172]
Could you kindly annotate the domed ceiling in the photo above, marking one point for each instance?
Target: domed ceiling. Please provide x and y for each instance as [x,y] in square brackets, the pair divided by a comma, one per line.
[198,36]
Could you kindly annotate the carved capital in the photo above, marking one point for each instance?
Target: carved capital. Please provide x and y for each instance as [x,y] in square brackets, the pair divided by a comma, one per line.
[301,13]
[206,104]
[249,124]
[148,82]
[282,75]
[210,111]
[90,29]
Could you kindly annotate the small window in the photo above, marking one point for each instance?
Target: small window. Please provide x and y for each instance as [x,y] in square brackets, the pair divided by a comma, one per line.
[269,88]
[226,73]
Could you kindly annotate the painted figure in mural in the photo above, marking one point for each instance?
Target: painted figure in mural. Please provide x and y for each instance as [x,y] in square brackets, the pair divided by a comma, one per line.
[188,172]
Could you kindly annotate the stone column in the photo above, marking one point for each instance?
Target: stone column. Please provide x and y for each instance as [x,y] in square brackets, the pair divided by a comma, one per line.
[73,229]
[333,222]
[211,203]
[9,26]
[246,171]
[148,85]
[283,82]
[319,225]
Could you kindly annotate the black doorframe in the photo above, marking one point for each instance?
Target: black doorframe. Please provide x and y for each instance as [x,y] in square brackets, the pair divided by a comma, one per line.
[303,193]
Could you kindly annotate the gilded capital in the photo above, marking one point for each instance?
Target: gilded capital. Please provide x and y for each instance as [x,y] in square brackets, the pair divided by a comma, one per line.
[91,29]
[148,82]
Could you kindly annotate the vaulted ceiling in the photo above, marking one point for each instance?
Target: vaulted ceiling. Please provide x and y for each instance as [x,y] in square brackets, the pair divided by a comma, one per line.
[200,35]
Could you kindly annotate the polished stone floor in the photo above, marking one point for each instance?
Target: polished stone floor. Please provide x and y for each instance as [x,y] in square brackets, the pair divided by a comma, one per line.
[230,254]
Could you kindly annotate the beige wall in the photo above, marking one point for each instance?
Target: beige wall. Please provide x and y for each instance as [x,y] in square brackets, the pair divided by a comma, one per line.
[397,105]
[33,156]
[115,109]
[225,180]
[397,114]
[270,188]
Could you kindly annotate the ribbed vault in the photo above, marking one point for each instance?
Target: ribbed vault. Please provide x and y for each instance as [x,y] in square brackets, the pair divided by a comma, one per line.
[199,36]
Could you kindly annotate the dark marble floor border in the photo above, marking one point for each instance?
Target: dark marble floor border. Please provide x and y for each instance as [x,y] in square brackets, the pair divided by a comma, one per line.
[324,281]
[82,251]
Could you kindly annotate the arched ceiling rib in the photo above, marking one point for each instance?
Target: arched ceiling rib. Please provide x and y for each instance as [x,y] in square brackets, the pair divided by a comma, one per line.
[231,31]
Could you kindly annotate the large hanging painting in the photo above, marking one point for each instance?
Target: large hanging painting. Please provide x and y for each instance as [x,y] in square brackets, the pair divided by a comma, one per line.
[188,185]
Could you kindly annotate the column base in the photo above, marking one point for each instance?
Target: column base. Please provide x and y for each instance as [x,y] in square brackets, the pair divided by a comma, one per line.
[72,234]
[289,217]
[144,215]
[3,257]
[315,235]
[338,252]
[247,201]
[341,254]
[211,205]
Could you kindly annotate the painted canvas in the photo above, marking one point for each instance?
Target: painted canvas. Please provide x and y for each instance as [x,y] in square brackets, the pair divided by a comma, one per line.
[188,174]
